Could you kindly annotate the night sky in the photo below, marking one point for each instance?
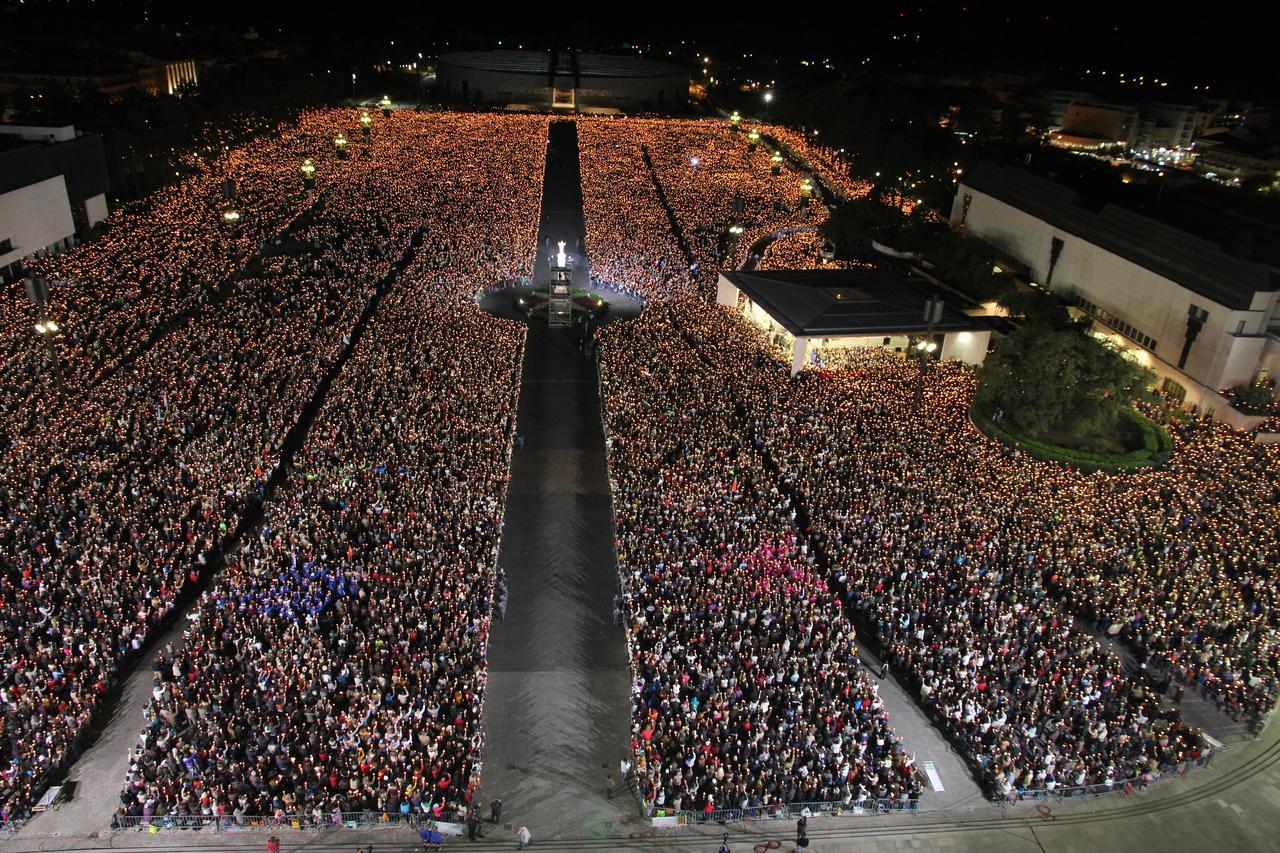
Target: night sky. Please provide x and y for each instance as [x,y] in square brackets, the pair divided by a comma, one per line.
[1231,46]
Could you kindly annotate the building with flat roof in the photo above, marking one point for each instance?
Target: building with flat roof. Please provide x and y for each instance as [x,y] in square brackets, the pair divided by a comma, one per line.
[53,182]
[563,79]
[861,307]
[1192,312]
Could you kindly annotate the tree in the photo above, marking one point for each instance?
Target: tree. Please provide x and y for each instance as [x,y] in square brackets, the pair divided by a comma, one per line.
[1060,381]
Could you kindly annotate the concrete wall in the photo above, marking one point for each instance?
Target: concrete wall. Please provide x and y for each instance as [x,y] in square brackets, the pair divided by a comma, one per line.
[35,217]
[96,209]
[969,347]
[1148,302]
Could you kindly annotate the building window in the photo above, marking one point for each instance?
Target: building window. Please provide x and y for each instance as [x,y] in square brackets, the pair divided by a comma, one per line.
[6,245]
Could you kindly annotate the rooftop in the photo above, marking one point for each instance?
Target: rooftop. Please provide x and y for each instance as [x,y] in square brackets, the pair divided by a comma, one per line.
[1197,264]
[847,302]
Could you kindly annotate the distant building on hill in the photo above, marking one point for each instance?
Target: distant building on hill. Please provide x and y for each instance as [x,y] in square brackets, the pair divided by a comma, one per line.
[563,79]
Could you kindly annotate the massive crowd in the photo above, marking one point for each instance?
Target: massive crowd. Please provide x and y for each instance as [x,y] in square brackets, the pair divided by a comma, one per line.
[335,659]
[116,495]
[748,691]
[992,582]
[337,664]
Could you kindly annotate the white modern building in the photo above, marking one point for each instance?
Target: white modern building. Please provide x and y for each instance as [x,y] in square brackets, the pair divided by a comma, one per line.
[801,310]
[1190,311]
[53,182]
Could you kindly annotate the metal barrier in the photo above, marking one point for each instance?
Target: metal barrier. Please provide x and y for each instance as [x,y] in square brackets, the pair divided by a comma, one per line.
[309,821]
[1098,789]
[783,811]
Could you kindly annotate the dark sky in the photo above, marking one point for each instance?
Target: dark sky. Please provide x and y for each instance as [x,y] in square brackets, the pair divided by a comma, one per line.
[1228,44]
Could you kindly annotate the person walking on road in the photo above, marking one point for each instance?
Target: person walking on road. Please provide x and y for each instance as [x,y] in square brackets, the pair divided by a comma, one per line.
[523,838]
[608,787]
[495,810]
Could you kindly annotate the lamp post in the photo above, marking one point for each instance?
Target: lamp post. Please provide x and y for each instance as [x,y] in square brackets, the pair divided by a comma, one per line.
[46,329]
[340,145]
[735,121]
[932,314]
[806,191]
[385,104]
[308,170]
[753,139]
[366,123]
[775,163]
[231,217]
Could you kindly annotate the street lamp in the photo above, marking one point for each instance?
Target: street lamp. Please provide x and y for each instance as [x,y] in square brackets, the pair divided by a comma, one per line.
[308,172]
[385,103]
[775,163]
[231,217]
[735,120]
[806,190]
[366,123]
[933,307]
[46,327]
[340,145]
[753,139]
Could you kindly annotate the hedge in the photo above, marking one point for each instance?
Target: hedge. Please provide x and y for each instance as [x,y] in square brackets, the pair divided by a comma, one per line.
[1157,446]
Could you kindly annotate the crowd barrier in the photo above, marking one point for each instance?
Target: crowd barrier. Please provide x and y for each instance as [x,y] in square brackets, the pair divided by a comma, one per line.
[660,816]
[306,821]
[1121,786]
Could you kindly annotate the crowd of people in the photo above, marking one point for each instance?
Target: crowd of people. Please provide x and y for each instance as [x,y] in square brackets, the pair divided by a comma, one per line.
[334,659]
[748,691]
[337,664]
[114,497]
[992,582]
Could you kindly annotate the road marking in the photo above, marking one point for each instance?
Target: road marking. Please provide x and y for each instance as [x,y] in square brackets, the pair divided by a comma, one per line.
[935,781]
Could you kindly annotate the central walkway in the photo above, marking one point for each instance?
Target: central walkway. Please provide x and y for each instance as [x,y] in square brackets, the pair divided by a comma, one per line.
[557,705]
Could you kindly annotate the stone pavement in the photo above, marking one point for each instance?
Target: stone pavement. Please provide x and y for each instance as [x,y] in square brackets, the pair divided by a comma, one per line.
[922,739]
[557,703]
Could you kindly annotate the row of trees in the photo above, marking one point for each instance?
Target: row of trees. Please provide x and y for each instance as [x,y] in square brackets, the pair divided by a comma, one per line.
[967,265]
[1053,381]
[1049,380]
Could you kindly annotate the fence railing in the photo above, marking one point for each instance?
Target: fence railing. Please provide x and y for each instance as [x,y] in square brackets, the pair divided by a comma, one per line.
[1120,786]
[783,811]
[305,821]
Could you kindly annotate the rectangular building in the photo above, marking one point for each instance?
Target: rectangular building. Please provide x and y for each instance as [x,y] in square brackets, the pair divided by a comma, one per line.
[1186,308]
[53,184]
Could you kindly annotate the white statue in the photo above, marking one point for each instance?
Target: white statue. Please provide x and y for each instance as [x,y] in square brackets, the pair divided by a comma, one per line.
[561,260]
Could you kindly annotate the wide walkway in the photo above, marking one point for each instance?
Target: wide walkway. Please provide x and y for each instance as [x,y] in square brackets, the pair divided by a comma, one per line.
[557,705]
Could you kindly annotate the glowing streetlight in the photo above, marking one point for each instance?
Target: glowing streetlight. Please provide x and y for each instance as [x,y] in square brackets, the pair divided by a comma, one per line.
[308,170]
[753,139]
[230,215]
[775,163]
[340,144]
[366,123]
[385,104]
[768,97]
[806,188]
[735,120]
